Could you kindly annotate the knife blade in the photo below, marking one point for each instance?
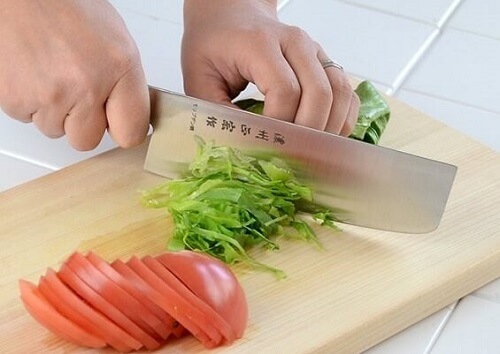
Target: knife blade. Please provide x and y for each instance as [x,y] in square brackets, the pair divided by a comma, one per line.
[367,185]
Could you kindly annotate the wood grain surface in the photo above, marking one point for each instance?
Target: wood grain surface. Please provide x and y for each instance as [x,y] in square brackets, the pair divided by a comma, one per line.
[364,286]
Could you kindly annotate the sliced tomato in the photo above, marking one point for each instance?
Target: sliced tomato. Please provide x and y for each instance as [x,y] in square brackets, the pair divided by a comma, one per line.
[173,282]
[139,303]
[42,310]
[155,317]
[69,277]
[141,286]
[213,282]
[195,321]
[79,312]
[118,298]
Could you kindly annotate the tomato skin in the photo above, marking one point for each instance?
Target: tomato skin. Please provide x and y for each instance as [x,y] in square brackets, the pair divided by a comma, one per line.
[70,278]
[71,306]
[213,282]
[114,296]
[43,311]
[138,283]
[172,281]
[179,308]
[140,303]
[156,318]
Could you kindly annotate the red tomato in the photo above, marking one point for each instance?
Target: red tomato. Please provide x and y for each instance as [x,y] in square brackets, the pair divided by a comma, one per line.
[69,277]
[118,298]
[71,306]
[41,310]
[172,281]
[195,321]
[151,313]
[138,283]
[139,303]
[213,282]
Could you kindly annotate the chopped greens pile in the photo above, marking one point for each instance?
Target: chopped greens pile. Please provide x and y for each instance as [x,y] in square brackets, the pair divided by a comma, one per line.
[230,201]
[373,115]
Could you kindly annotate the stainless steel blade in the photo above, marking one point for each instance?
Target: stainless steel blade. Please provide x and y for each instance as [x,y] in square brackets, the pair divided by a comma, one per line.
[367,185]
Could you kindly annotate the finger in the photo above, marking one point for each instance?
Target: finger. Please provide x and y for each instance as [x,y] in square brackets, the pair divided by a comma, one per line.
[352,116]
[50,120]
[85,125]
[128,110]
[275,79]
[342,94]
[316,91]
[209,87]
[18,111]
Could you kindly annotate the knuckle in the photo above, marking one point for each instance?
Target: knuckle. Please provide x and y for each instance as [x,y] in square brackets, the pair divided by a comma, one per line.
[51,95]
[323,93]
[297,34]
[289,88]
[344,91]
[124,56]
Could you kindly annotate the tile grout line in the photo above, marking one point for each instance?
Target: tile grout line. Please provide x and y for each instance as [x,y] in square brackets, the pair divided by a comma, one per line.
[385,12]
[439,329]
[410,66]
[282,4]
[415,59]
[451,100]
[28,160]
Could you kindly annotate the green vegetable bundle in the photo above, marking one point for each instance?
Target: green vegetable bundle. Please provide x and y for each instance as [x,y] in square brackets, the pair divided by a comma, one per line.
[230,201]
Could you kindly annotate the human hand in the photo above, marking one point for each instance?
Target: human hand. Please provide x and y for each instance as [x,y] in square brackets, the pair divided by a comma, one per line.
[227,44]
[71,67]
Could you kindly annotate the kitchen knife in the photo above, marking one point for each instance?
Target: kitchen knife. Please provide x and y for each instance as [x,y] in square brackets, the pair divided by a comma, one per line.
[366,185]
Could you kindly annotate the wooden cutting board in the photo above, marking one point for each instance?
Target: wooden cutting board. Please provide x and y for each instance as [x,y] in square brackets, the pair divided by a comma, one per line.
[363,287]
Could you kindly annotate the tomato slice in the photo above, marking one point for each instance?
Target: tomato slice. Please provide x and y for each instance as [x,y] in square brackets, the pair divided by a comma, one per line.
[155,317]
[118,298]
[178,307]
[42,311]
[172,281]
[79,312]
[68,276]
[213,282]
[141,286]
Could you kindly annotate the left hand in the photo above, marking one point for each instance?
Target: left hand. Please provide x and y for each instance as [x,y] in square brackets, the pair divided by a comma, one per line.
[227,44]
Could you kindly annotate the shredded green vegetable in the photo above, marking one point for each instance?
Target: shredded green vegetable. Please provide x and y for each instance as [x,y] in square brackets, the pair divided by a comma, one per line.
[230,201]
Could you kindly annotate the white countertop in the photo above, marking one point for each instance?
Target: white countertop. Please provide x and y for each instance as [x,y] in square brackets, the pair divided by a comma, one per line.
[440,56]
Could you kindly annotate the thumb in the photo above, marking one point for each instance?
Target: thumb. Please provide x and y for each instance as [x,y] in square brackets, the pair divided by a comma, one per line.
[128,109]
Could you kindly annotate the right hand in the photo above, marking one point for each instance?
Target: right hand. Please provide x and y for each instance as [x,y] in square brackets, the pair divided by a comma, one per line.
[71,67]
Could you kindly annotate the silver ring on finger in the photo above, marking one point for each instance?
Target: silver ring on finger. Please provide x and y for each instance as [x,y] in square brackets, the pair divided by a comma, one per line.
[328,63]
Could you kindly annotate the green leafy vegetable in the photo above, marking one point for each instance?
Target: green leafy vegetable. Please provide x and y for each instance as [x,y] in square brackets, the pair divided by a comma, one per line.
[373,115]
[230,201]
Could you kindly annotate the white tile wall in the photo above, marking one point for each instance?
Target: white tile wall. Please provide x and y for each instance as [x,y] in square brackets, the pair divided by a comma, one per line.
[479,17]
[362,40]
[441,56]
[429,11]
[463,335]
[461,67]
[16,171]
